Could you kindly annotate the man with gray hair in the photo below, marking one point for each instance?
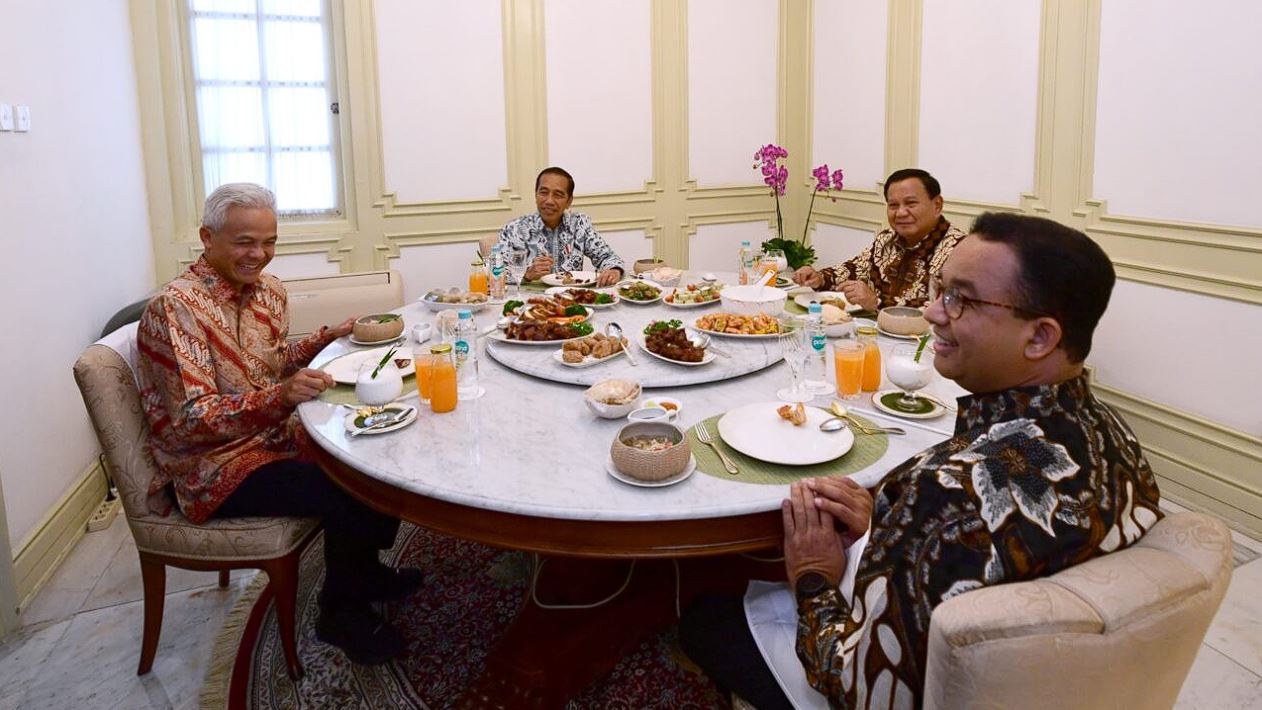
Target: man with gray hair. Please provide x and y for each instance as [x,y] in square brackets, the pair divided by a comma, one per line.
[219,383]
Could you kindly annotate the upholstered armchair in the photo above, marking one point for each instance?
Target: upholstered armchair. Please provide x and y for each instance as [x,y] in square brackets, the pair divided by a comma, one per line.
[107,382]
[1118,631]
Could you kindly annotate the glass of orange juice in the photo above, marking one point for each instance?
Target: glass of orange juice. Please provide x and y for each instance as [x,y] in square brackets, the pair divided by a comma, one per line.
[848,357]
[478,281]
[423,371]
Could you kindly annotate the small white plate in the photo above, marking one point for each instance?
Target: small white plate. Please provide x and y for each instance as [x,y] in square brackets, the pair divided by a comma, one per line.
[658,401]
[588,361]
[677,478]
[888,334]
[352,419]
[345,369]
[690,305]
[937,411]
[804,299]
[758,431]
[357,341]
[562,289]
[439,306]
[581,278]
[706,359]
[660,290]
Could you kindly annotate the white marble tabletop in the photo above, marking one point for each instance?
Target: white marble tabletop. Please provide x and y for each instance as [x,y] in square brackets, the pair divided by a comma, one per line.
[531,446]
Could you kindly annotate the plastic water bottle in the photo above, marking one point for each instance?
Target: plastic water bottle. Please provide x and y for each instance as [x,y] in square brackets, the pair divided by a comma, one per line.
[465,355]
[746,259]
[498,279]
[815,373]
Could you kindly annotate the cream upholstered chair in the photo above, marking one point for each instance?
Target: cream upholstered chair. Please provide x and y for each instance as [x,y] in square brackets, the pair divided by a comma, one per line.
[106,379]
[1118,631]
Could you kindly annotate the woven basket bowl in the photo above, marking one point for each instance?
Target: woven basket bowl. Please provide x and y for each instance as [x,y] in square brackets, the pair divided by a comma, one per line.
[650,465]
[902,320]
[643,265]
[368,331]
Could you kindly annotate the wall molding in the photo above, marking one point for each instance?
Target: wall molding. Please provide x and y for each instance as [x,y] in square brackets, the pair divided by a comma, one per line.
[42,551]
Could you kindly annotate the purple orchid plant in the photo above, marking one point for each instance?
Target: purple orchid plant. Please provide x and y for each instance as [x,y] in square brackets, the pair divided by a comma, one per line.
[776,176]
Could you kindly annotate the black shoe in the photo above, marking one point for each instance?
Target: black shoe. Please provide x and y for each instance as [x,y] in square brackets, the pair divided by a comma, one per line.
[365,637]
[387,584]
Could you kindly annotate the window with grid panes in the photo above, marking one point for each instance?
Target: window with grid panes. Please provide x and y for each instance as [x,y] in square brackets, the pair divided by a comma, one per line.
[266,102]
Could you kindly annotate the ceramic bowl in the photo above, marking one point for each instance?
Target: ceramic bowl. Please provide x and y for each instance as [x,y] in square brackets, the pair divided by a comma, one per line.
[902,320]
[605,408]
[370,329]
[650,465]
[752,300]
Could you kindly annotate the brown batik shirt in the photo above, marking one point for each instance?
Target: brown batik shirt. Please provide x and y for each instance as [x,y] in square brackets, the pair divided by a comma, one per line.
[1035,480]
[898,274]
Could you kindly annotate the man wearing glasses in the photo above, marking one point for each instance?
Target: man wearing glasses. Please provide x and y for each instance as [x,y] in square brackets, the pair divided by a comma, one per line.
[896,268]
[1038,477]
[558,240]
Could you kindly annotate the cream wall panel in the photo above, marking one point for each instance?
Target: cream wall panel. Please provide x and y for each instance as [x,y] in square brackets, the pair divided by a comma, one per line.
[834,243]
[714,247]
[630,244]
[600,119]
[440,70]
[732,60]
[848,122]
[1178,110]
[75,230]
[978,97]
[1169,346]
[292,266]
[429,266]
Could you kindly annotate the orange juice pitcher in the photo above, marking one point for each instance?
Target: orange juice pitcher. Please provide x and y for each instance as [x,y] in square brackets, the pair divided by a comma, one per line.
[442,379]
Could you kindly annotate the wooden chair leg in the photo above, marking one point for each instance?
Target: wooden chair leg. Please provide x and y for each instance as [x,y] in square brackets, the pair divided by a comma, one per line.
[154,575]
[223,577]
[282,575]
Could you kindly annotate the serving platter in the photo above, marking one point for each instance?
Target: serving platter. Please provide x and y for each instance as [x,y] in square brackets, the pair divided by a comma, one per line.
[581,278]
[560,290]
[706,359]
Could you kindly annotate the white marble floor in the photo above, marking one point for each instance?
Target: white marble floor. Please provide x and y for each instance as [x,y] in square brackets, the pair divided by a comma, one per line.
[80,640]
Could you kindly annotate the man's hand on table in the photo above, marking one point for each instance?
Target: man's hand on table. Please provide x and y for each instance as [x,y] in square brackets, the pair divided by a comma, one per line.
[859,294]
[343,328]
[812,542]
[808,277]
[849,503]
[608,277]
[541,266]
[303,386]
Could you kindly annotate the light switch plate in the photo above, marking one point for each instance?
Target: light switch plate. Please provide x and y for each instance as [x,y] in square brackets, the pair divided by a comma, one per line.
[24,119]
[6,117]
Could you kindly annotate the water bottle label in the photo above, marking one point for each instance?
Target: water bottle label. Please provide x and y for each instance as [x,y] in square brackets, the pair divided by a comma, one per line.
[497,270]
[818,342]
[461,350]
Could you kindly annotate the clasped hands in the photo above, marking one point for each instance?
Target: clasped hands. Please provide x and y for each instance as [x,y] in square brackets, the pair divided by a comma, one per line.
[822,517]
[543,264]
[857,292]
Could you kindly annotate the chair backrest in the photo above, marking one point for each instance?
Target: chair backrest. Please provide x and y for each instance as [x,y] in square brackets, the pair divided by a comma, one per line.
[108,386]
[1118,631]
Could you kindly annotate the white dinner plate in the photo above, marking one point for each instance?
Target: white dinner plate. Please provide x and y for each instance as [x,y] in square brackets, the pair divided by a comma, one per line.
[706,359]
[526,306]
[353,420]
[608,292]
[689,305]
[345,369]
[683,475]
[804,299]
[439,306]
[762,336]
[581,278]
[588,361]
[660,290]
[758,431]
[937,411]
[357,341]
[498,336]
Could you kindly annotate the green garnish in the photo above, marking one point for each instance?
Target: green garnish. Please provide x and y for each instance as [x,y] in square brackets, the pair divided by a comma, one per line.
[384,360]
[659,326]
[386,318]
[581,328]
[575,310]
[604,298]
[924,339]
[511,306]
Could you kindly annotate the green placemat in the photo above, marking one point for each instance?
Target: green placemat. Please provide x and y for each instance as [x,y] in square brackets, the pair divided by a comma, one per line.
[791,306]
[867,450]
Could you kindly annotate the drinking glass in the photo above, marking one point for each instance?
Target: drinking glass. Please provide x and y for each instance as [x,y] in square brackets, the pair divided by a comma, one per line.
[381,389]
[795,353]
[909,374]
[777,256]
[516,262]
[848,357]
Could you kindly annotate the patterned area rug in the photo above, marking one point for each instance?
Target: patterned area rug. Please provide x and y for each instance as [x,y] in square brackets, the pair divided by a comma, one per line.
[472,592]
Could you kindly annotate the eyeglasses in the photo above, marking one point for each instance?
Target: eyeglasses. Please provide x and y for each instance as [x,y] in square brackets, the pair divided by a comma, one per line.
[953,303]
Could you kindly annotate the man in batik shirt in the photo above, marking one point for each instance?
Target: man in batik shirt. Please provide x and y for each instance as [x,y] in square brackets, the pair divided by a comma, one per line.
[558,240]
[897,267]
[219,383]
[1039,476]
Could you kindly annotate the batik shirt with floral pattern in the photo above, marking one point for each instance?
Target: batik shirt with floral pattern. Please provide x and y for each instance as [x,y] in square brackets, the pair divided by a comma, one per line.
[1035,479]
[574,238]
[898,274]
[211,363]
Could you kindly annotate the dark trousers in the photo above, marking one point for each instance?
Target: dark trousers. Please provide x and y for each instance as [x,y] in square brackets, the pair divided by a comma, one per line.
[714,634]
[353,532]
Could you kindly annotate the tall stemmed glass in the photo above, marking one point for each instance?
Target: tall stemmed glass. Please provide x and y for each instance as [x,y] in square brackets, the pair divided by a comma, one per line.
[517,260]
[795,353]
[909,373]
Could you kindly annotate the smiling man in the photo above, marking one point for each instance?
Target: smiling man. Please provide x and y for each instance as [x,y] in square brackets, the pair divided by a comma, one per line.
[219,383]
[557,239]
[1039,476]
[896,268]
